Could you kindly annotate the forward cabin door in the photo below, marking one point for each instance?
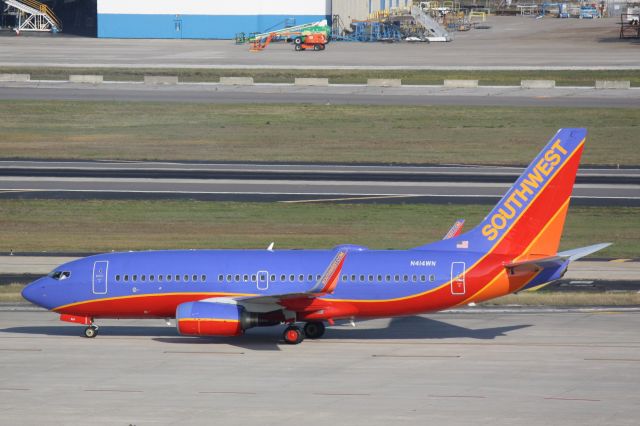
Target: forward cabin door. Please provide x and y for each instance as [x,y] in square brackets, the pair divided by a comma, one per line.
[100,269]
[458,284]
[262,280]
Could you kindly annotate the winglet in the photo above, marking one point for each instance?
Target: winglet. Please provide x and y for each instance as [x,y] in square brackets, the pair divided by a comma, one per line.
[455,230]
[329,279]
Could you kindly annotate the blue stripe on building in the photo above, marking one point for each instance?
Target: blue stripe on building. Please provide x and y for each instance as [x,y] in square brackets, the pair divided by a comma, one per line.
[192,26]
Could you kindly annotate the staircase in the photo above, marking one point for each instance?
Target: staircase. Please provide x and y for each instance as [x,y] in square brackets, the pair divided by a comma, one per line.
[34,16]
[436,32]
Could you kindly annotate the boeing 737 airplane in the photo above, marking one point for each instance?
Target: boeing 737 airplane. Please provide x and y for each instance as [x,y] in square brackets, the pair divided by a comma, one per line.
[225,292]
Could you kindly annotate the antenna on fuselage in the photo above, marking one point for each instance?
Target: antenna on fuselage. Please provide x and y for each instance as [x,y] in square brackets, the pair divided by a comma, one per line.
[270,248]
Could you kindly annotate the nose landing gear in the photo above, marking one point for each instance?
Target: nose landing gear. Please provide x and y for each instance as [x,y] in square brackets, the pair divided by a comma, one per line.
[91,331]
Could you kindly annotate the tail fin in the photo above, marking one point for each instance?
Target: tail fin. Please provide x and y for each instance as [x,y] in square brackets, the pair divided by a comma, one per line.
[528,221]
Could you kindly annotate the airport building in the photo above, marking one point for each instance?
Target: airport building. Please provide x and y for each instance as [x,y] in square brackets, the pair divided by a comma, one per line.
[195,19]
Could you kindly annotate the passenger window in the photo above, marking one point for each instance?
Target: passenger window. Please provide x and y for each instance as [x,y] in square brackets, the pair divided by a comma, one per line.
[229,278]
[176,278]
[134,278]
[300,278]
[414,278]
[283,278]
[203,278]
[168,278]
[388,278]
[117,278]
[220,277]
[380,278]
[159,278]
[353,277]
[253,278]
[396,278]
[423,278]
[152,278]
[318,276]
[292,278]
[361,278]
[310,278]
[370,278]
[143,278]
[432,278]
[237,278]
[272,278]
[126,277]
[185,277]
[344,278]
[194,278]
[405,278]
[245,278]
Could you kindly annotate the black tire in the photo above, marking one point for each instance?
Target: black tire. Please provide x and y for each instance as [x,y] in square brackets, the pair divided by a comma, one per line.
[317,47]
[298,48]
[90,332]
[293,335]
[314,329]
[297,40]
[322,46]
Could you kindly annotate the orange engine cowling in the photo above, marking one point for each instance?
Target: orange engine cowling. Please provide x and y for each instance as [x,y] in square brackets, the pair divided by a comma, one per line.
[217,319]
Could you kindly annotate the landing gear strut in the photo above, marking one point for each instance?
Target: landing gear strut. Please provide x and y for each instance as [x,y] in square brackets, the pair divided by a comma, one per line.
[314,329]
[293,335]
[91,331]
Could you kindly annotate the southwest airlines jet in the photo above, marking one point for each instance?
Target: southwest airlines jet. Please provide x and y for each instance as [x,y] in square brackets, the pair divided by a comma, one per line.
[225,292]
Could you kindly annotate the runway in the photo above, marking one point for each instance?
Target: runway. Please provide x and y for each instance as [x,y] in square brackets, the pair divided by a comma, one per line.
[339,94]
[293,183]
[460,368]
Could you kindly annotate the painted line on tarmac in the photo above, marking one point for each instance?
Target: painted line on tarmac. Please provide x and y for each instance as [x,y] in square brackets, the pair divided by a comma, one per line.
[321,200]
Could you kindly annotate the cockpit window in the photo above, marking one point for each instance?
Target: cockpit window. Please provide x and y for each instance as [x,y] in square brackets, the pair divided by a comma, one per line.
[59,275]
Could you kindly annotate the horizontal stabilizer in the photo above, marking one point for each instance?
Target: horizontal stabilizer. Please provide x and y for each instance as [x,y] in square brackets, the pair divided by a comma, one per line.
[578,253]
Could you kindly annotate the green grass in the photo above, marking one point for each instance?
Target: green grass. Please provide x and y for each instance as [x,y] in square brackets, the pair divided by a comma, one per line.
[499,78]
[307,133]
[93,226]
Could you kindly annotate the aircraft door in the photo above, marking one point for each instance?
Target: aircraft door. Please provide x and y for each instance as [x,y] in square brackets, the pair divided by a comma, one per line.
[99,281]
[458,284]
[262,280]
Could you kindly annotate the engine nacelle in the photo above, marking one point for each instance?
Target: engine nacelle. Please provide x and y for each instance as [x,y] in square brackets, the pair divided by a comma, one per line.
[217,319]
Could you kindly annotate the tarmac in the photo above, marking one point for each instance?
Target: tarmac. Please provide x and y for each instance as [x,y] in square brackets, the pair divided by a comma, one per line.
[468,367]
[509,43]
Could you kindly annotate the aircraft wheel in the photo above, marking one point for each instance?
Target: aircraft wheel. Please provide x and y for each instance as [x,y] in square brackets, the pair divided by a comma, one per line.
[293,335]
[298,48]
[314,329]
[91,331]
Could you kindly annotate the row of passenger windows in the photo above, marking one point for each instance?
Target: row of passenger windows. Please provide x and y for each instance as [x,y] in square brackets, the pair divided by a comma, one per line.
[272,278]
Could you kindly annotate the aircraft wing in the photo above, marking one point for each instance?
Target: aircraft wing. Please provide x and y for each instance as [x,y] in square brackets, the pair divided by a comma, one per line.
[267,303]
[455,230]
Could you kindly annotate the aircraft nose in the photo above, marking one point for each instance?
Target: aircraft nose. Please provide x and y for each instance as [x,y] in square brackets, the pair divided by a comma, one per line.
[33,292]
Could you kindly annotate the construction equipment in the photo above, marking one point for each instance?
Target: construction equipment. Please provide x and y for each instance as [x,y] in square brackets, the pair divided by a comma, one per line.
[34,16]
[259,44]
[311,41]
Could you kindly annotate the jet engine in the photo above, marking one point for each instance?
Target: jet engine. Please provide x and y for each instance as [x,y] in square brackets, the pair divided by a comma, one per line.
[219,319]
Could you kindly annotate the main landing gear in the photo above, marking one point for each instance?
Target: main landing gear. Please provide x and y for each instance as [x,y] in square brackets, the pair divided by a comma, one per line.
[293,334]
[91,331]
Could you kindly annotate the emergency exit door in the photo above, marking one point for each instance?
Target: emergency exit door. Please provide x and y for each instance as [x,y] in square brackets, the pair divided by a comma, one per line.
[458,285]
[100,269]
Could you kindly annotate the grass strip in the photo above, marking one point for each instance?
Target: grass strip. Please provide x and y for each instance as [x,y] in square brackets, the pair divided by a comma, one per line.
[308,133]
[567,299]
[105,225]
[414,77]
